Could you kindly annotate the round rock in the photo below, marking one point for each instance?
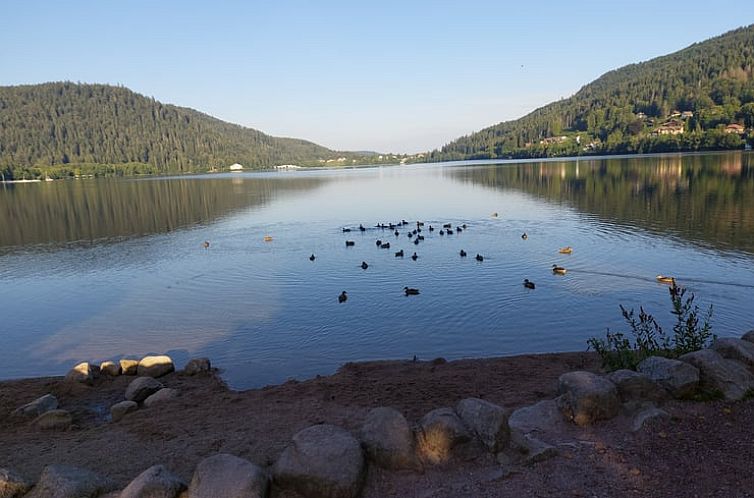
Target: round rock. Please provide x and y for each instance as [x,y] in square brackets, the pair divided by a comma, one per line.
[155,366]
[322,461]
[164,394]
[141,388]
[488,421]
[635,386]
[54,420]
[227,476]
[439,432]
[128,366]
[37,407]
[155,482]
[389,440]
[197,366]
[732,378]
[110,368]
[63,481]
[120,410]
[735,349]
[83,372]
[587,397]
[678,377]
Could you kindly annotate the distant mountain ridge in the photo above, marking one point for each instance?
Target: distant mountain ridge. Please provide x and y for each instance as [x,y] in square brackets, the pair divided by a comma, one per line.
[63,126]
[637,108]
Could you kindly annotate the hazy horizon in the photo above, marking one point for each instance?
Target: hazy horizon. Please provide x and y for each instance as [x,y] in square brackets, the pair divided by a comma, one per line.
[387,78]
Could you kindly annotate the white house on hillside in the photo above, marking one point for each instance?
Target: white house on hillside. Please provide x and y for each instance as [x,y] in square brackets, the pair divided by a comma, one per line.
[236,167]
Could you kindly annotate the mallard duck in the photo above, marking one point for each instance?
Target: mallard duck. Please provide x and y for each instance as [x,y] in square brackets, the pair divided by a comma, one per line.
[410,235]
[420,237]
[346,230]
[268,238]
[524,236]
[411,292]
[665,279]
[414,257]
[559,270]
[464,226]
[378,243]
[566,250]
[414,231]
[399,254]
[350,243]
[342,297]
[364,265]
[459,229]
[442,232]
[416,241]
[431,228]
[462,253]
[528,284]
[397,233]
[362,229]
[479,258]
[386,245]
[447,225]
[205,244]
[312,257]
[420,223]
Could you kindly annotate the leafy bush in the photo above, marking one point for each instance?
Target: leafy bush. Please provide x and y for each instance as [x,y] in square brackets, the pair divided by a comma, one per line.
[691,332]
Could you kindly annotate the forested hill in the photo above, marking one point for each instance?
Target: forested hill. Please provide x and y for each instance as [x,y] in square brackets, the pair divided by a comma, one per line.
[682,101]
[57,129]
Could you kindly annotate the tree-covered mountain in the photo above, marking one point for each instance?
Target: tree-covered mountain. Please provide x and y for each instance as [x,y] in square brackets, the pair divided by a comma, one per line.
[65,128]
[682,101]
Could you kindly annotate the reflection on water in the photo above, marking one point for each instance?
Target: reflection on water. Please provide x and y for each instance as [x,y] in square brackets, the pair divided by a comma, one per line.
[263,312]
[703,198]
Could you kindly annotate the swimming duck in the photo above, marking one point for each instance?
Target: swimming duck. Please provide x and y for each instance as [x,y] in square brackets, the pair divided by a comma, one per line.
[464,226]
[414,257]
[419,230]
[350,243]
[268,238]
[431,228]
[559,270]
[416,241]
[462,253]
[362,229]
[342,297]
[346,230]
[386,245]
[459,229]
[397,233]
[419,223]
[494,215]
[665,279]
[479,258]
[528,284]
[399,254]
[410,235]
[449,232]
[565,250]
[447,225]
[420,237]
[205,244]
[524,236]
[312,257]
[411,292]
[364,265]
[404,222]
[378,243]
[442,232]
[414,232]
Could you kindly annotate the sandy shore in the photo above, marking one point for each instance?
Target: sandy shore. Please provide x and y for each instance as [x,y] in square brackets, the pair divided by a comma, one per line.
[704,450]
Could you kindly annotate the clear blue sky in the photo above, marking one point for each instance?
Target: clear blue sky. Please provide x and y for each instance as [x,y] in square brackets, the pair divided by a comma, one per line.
[400,76]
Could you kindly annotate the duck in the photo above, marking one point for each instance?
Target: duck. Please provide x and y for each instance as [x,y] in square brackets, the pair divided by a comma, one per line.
[404,222]
[464,226]
[205,244]
[524,236]
[665,279]
[462,253]
[528,284]
[559,270]
[386,245]
[479,258]
[378,243]
[419,223]
[268,238]
[364,265]
[414,257]
[312,257]
[346,230]
[399,254]
[565,250]
[431,228]
[350,243]
[397,233]
[416,241]
[362,229]
[342,297]
[442,232]
[420,237]
[494,215]
[411,292]
[419,230]
[449,231]
[410,235]
[447,225]
[414,232]
[459,229]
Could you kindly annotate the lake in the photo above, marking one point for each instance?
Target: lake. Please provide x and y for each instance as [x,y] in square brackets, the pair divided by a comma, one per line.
[99,269]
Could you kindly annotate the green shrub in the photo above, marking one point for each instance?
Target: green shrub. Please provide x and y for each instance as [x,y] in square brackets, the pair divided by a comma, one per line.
[691,332]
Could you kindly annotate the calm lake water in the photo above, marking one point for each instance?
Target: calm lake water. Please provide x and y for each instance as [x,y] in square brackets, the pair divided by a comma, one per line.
[101,269]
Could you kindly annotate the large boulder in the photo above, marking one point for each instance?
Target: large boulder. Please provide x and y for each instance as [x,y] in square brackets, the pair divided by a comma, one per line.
[63,481]
[635,386]
[141,388]
[110,368]
[12,484]
[647,415]
[389,440]
[543,416]
[37,407]
[488,421]
[197,366]
[735,349]
[128,366]
[155,366]
[322,461]
[164,394]
[83,373]
[227,476]
[587,397]
[439,432]
[732,378]
[54,420]
[748,336]
[678,377]
[120,410]
[155,482]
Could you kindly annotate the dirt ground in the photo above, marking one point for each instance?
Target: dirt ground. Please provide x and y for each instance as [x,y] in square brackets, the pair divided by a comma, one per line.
[704,450]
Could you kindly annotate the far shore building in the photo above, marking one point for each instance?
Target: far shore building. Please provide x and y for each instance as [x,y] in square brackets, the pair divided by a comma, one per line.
[236,167]
[735,128]
[670,128]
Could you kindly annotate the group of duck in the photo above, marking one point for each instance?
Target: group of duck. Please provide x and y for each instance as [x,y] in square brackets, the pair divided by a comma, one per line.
[415,234]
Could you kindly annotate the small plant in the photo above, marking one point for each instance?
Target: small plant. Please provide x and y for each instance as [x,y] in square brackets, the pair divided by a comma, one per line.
[691,332]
